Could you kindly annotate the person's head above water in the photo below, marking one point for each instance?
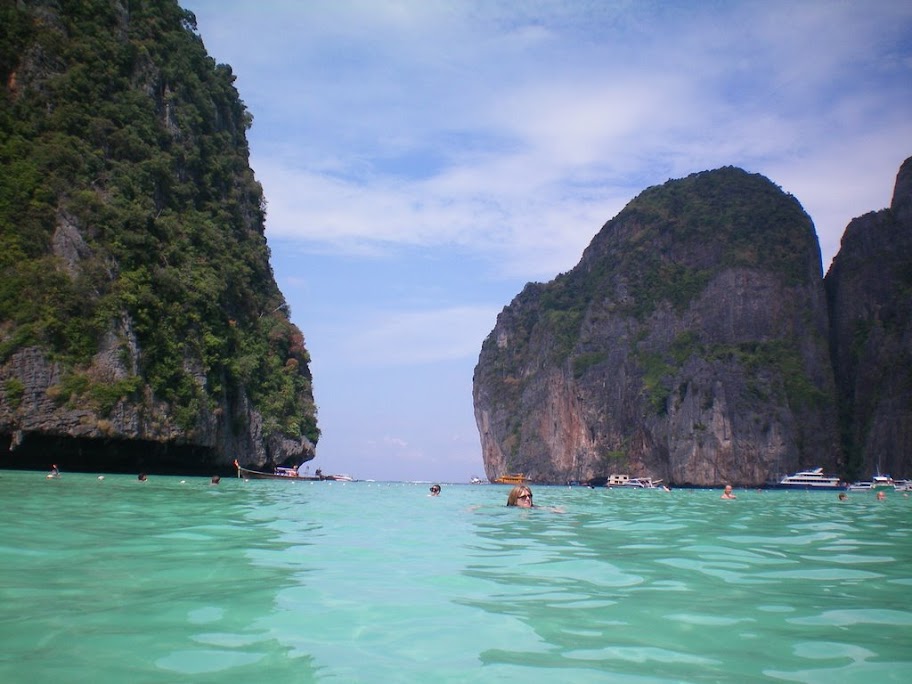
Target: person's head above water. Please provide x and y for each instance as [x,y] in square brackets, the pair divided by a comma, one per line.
[520,496]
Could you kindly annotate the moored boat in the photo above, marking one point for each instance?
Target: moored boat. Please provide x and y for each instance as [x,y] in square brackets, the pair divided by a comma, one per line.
[875,483]
[280,473]
[338,478]
[641,483]
[810,479]
[283,473]
[860,486]
[882,482]
[512,478]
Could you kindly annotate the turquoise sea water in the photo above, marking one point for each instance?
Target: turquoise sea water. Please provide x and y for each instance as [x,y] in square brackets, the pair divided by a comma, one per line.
[175,580]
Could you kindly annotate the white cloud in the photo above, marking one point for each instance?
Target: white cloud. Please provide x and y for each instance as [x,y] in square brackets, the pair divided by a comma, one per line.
[829,184]
[527,170]
[397,442]
[417,337]
[506,134]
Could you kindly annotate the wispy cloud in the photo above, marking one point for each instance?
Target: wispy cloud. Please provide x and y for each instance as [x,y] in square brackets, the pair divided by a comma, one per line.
[516,132]
[396,338]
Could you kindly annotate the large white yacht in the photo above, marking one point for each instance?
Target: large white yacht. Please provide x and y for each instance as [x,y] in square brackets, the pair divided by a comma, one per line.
[811,479]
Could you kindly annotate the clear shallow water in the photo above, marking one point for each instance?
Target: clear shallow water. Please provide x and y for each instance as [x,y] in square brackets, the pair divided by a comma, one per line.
[165,581]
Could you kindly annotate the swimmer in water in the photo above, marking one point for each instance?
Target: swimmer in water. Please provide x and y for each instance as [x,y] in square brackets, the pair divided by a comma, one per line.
[521,497]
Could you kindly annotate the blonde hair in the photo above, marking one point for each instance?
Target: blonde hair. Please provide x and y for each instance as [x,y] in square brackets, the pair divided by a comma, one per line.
[516,492]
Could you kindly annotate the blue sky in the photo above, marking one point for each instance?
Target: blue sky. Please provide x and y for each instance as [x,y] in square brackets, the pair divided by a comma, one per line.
[422,160]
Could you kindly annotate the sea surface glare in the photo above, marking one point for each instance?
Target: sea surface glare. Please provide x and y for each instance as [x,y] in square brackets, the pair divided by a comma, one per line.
[176,580]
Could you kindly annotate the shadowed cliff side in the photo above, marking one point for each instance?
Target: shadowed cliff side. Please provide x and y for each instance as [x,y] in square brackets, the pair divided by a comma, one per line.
[869,292]
[140,323]
[689,344]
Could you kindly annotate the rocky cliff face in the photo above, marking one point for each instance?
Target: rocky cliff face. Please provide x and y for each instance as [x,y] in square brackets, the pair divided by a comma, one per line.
[689,344]
[869,292]
[141,327]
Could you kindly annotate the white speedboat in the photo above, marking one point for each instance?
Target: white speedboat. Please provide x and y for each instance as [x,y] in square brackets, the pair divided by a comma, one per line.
[810,479]
[641,483]
[882,482]
[875,483]
[339,478]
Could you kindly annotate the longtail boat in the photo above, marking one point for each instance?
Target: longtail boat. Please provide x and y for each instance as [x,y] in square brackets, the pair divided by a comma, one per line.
[514,479]
[283,473]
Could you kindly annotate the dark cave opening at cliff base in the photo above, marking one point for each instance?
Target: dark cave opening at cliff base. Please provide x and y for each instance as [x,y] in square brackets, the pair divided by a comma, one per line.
[39,452]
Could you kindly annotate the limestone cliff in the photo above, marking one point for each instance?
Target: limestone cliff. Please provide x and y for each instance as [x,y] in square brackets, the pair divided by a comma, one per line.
[869,292]
[689,344]
[140,323]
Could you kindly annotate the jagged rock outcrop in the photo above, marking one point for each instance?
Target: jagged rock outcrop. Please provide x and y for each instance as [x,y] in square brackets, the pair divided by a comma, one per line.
[141,327]
[689,344]
[869,293]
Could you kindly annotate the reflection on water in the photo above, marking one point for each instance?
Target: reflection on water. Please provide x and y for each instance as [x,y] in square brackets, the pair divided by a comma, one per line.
[119,581]
[687,587]
[174,580]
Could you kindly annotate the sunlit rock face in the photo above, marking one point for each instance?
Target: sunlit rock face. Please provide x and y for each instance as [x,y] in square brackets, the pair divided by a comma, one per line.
[689,344]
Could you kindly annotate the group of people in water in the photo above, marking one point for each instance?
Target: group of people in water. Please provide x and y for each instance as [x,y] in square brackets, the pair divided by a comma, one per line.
[520,496]
[142,477]
[54,474]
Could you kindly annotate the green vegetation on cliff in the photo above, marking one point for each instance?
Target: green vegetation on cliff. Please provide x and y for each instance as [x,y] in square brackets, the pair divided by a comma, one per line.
[665,246]
[689,343]
[671,239]
[127,204]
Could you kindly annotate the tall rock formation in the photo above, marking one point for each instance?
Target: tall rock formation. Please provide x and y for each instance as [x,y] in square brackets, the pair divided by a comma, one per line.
[869,292]
[688,344]
[140,323]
